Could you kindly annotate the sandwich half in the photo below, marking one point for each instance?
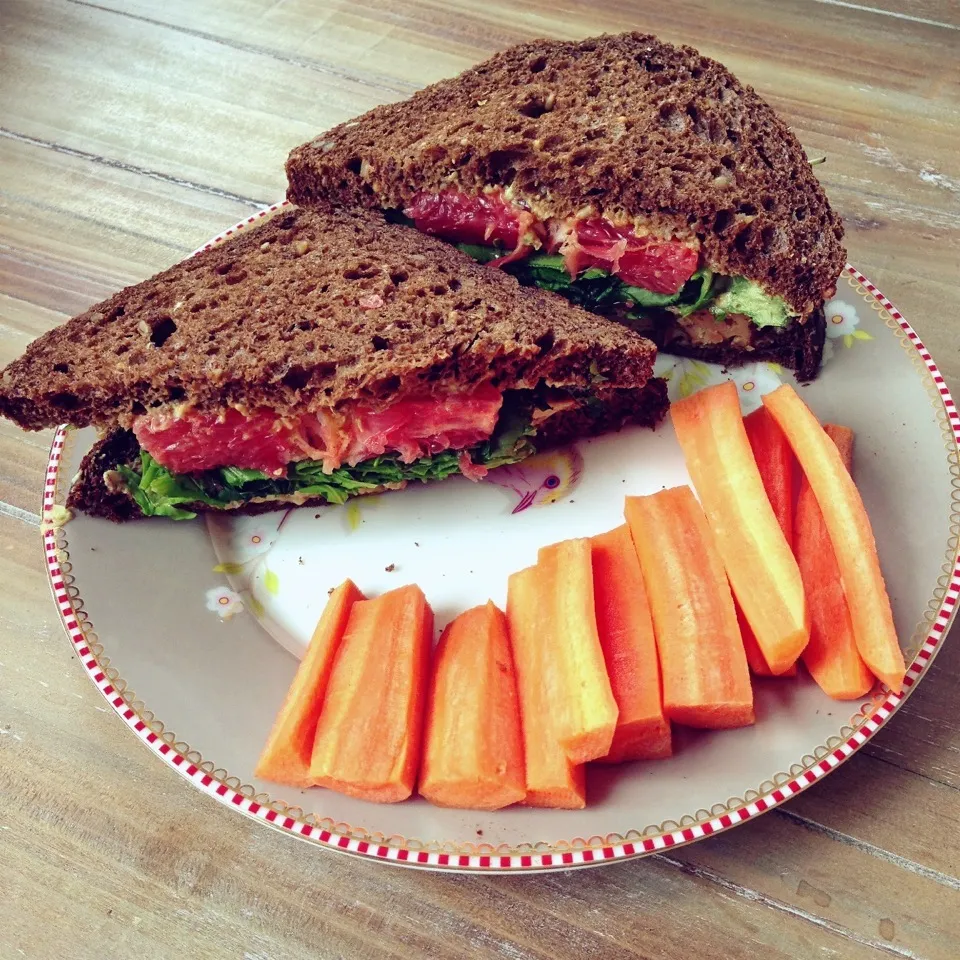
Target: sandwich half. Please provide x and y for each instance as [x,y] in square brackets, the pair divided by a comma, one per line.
[638,179]
[318,356]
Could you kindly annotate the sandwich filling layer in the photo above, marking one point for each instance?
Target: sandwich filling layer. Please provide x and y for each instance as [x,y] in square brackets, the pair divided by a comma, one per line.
[412,428]
[656,284]
[224,460]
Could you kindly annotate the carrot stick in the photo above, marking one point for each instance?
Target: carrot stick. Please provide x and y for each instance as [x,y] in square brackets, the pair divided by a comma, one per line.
[759,562]
[286,756]
[368,735]
[552,780]
[776,463]
[586,711]
[831,656]
[629,650]
[755,659]
[850,533]
[472,745]
[705,678]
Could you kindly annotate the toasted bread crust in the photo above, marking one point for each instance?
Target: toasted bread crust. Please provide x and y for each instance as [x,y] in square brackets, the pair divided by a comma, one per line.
[312,307]
[628,124]
[90,493]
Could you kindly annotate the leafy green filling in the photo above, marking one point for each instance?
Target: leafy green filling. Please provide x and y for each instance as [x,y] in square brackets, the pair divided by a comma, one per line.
[595,288]
[162,493]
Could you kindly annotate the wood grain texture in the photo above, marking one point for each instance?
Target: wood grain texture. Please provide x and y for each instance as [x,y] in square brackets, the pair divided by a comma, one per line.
[130,132]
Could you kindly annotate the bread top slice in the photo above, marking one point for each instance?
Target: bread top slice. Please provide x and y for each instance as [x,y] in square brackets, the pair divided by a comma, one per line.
[625,126]
[313,308]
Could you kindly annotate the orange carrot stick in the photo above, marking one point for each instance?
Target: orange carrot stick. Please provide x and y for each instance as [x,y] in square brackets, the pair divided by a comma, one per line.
[831,656]
[552,780]
[850,533]
[755,659]
[586,711]
[777,465]
[368,735]
[705,678]
[286,756]
[759,562]
[629,649]
[472,745]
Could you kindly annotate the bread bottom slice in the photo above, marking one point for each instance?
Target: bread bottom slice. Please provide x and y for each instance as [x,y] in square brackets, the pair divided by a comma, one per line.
[797,347]
[92,494]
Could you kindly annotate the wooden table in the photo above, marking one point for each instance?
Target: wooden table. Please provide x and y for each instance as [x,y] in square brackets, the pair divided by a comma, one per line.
[131,131]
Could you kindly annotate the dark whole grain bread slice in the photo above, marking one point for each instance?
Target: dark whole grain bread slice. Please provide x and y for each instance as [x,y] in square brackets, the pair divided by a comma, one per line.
[312,307]
[91,494]
[626,124]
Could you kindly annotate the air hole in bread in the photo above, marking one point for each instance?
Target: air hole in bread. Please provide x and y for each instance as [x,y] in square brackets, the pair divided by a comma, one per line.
[379,343]
[538,64]
[671,118]
[237,277]
[769,236]
[162,331]
[722,220]
[582,157]
[535,107]
[354,165]
[176,393]
[502,167]
[61,367]
[399,276]
[546,342]
[64,401]
[651,66]
[223,268]
[454,285]
[439,289]
[747,209]
[743,239]
[296,378]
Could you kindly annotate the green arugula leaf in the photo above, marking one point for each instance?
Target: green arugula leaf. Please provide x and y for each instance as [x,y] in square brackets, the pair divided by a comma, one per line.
[696,293]
[648,298]
[480,253]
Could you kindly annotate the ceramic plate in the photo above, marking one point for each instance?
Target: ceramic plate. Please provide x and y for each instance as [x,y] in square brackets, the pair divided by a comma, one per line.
[191,630]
